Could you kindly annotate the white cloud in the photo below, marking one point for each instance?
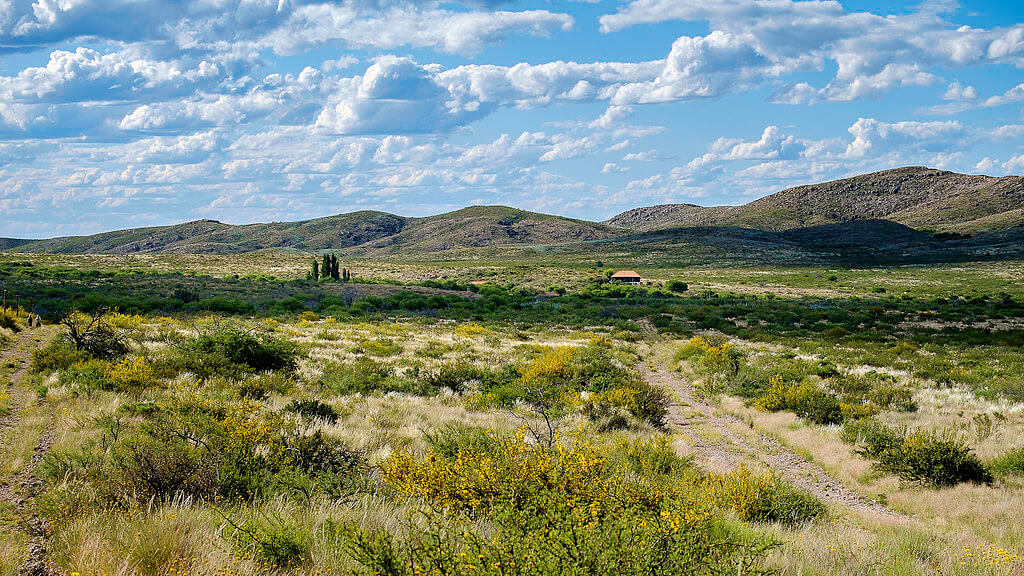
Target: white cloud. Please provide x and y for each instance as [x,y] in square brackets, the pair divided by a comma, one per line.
[875,137]
[448,31]
[752,41]
[959,93]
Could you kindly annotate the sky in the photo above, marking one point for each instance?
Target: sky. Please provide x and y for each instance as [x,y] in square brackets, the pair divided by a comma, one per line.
[128,113]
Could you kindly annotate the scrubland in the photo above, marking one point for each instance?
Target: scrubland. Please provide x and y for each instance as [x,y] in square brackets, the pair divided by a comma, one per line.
[427,427]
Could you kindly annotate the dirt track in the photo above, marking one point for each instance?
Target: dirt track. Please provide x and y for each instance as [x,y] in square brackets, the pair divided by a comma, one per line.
[17,490]
[735,442]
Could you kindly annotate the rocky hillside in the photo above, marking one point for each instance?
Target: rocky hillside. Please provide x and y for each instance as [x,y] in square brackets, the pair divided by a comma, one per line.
[922,198]
[357,233]
[483,226]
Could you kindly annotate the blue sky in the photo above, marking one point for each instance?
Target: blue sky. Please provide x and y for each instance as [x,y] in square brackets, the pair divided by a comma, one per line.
[128,113]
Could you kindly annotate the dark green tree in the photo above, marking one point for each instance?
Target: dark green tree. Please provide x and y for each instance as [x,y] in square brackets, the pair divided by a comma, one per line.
[315,275]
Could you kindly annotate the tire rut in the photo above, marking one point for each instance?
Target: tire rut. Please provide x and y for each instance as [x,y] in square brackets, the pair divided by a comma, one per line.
[22,487]
[690,412]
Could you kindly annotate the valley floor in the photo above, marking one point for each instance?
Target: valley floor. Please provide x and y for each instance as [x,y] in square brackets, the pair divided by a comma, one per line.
[796,424]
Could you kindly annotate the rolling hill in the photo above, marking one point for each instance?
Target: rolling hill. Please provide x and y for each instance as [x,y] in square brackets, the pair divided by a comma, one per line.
[363,232]
[921,198]
[891,215]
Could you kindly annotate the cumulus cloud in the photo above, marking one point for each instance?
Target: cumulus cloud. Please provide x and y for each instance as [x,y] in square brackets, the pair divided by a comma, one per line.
[754,41]
[448,31]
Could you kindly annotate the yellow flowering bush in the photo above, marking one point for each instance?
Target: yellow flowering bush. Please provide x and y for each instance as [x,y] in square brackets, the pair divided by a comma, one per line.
[718,363]
[472,330]
[607,507]
[132,373]
[804,398]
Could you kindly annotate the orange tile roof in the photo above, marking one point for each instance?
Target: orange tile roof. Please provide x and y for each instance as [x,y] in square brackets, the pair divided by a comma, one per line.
[625,274]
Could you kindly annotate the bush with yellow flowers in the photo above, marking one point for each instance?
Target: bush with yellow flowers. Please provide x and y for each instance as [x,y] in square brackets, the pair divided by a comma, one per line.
[555,380]
[718,363]
[603,509]
[805,398]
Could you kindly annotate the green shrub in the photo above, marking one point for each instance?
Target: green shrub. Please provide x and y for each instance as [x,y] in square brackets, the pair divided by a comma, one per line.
[57,354]
[763,498]
[677,286]
[365,376]
[276,540]
[261,386]
[449,440]
[1009,464]
[232,351]
[924,456]
[313,409]
[805,399]
[86,376]
[452,375]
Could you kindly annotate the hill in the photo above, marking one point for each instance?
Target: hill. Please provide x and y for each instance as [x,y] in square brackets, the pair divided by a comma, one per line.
[895,214]
[921,198]
[484,226]
[210,236]
[363,232]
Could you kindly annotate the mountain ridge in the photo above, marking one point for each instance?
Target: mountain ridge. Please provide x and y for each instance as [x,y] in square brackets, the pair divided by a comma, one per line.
[916,198]
[920,197]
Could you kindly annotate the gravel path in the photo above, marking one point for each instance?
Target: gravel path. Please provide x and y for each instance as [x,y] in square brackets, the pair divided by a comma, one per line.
[735,438]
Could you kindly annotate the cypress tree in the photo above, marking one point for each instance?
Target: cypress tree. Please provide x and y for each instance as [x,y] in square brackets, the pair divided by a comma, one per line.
[334,267]
[316,271]
[325,268]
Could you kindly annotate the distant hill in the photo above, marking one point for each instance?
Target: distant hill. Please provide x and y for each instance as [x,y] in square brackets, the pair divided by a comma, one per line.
[362,232]
[922,198]
[891,215]
[484,226]
[210,236]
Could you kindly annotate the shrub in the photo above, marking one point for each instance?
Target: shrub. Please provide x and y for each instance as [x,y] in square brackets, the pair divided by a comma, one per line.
[261,386]
[805,399]
[641,399]
[161,466]
[548,509]
[232,351]
[763,498]
[677,286]
[131,374]
[363,376]
[858,411]
[928,457]
[87,376]
[557,376]
[9,320]
[313,409]
[276,540]
[97,335]
[57,354]
[718,363]
[449,440]
[452,375]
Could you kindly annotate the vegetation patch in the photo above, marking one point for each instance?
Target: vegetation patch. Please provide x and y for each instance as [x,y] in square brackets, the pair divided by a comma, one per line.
[927,457]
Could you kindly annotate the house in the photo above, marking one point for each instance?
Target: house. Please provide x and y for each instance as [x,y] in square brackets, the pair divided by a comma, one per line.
[626,277]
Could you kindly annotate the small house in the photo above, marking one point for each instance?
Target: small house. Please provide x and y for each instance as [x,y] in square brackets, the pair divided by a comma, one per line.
[626,277]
